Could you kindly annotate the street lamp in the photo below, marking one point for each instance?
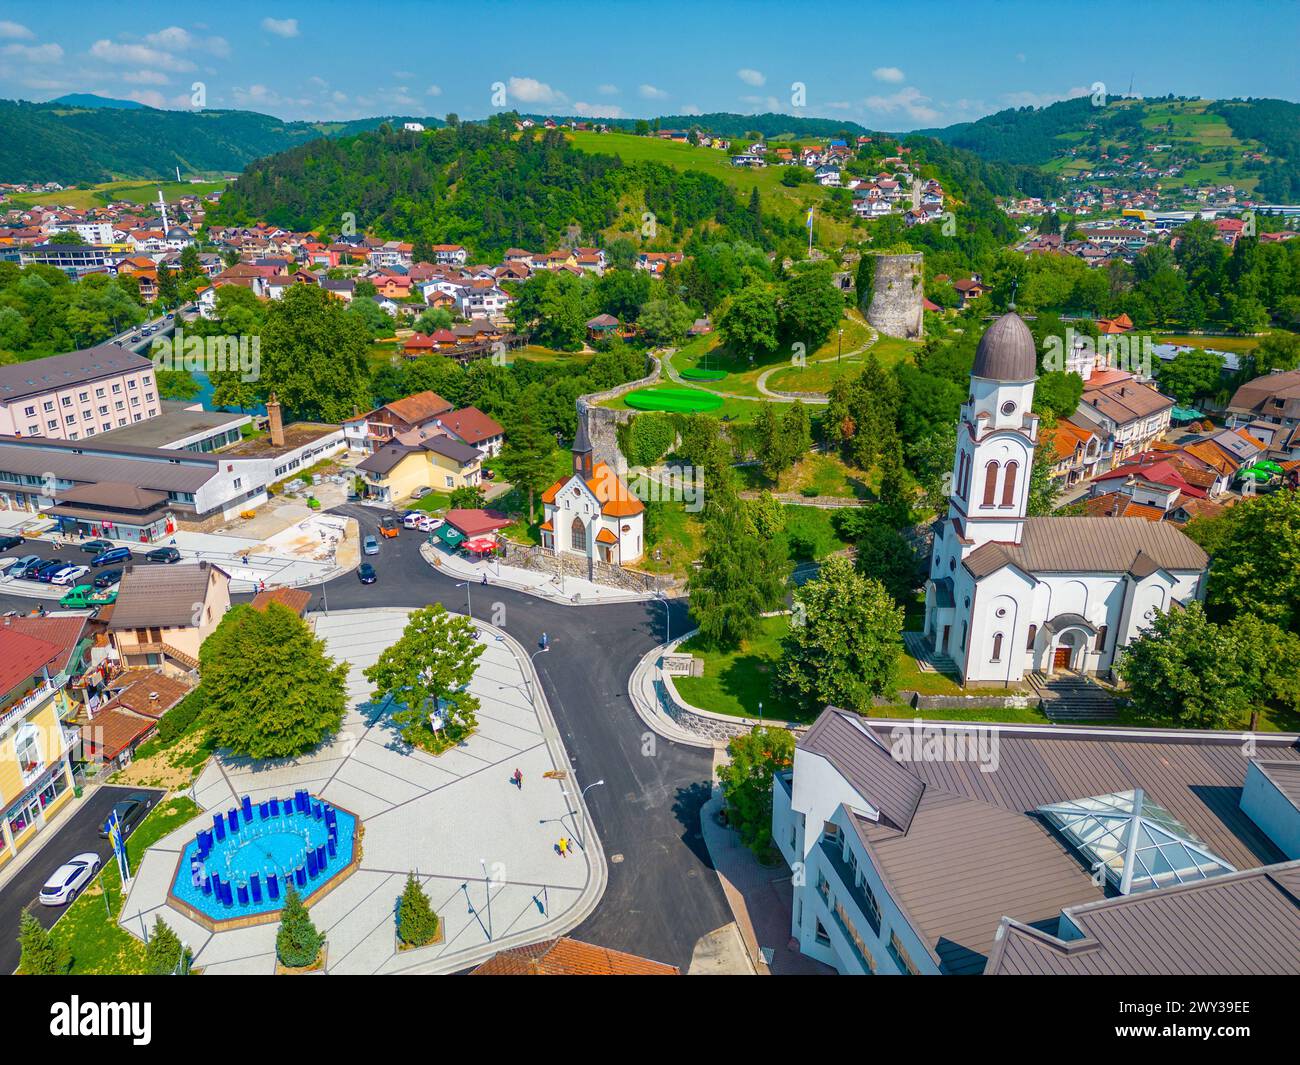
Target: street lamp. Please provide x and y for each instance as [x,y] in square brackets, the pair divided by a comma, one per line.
[527,680]
[839,345]
[469,606]
[487,888]
[582,795]
[668,638]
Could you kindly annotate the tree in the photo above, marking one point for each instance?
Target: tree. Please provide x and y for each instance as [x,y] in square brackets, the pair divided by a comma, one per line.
[1274,655]
[163,955]
[270,689]
[844,641]
[427,673]
[417,924]
[665,321]
[1041,499]
[297,943]
[884,554]
[810,307]
[168,291]
[1257,566]
[467,497]
[526,456]
[176,384]
[746,779]
[1190,374]
[1057,393]
[1185,667]
[41,955]
[315,356]
[747,322]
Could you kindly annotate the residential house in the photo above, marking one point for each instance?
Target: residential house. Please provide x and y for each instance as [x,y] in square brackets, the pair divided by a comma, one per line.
[1128,416]
[134,703]
[471,426]
[396,470]
[1076,451]
[368,432]
[164,613]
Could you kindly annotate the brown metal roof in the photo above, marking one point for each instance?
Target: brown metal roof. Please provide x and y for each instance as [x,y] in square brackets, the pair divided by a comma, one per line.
[85,462]
[1245,923]
[67,371]
[570,957]
[161,596]
[1285,776]
[1089,545]
[113,494]
[1006,350]
[865,762]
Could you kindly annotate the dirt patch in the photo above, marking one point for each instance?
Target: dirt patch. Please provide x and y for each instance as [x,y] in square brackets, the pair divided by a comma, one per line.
[172,768]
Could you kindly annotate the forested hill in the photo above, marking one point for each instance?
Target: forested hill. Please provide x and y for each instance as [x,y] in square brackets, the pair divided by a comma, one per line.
[484,187]
[71,144]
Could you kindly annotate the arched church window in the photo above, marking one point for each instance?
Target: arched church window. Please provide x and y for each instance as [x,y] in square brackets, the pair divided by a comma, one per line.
[1009,484]
[997,647]
[990,483]
[1033,635]
[578,535]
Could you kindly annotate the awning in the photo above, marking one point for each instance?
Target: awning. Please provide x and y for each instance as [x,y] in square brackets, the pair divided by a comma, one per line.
[481,546]
[1185,414]
[449,535]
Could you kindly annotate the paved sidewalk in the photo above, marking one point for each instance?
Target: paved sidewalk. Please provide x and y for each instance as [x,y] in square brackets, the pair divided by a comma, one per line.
[573,591]
[483,850]
[643,687]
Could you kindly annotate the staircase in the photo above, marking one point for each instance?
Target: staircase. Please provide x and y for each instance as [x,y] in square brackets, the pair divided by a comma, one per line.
[927,659]
[1071,697]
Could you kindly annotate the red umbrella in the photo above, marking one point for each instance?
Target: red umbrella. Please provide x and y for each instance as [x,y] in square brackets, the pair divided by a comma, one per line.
[481,546]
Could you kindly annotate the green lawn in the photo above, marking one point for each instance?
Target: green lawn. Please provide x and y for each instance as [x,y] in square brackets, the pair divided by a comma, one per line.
[132,191]
[735,682]
[99,947]
[810,532]
[1236,345]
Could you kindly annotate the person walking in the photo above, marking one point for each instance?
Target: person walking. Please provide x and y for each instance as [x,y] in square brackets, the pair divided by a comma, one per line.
[564,847]
[519,780]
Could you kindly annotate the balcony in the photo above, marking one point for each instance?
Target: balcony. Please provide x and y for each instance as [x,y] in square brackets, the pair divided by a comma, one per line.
[19,709]
[847,886]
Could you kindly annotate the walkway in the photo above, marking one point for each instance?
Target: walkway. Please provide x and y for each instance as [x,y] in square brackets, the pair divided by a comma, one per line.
[484,851]
[569,591]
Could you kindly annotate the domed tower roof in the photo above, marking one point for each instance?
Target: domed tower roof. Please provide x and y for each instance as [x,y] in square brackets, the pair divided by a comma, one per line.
[1006,351]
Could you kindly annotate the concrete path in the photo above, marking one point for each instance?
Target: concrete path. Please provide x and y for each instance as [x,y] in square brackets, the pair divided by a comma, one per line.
[571,591]
[815,398]
[484,850]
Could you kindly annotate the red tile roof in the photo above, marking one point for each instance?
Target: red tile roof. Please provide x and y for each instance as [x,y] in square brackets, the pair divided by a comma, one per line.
[476,522]
[470,424]
[570,957]
[21,656]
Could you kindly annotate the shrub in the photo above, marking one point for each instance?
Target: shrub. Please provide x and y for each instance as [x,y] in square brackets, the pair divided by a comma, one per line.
[417,924]
[647,438]
[41,956]
[297,943]
[162,956]
[177,721]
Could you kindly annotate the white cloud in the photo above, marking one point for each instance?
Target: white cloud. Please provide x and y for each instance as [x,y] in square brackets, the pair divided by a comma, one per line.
[138,55]
[532,91]
[1020,57]
[650,92]
[1028,98]
[607,90]
[768,103]
[403,75]
[890,74]
[751,77]
[433,90]
[176,39]
[692,109]
[281,27]
[598,110]
[34,53]
[910,101]
[145,77]
[12,30]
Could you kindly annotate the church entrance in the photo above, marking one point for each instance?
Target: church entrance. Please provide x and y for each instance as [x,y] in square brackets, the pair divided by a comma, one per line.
[1061,659]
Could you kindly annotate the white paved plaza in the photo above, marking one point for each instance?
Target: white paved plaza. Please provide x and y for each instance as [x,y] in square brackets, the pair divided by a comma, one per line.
[445,818]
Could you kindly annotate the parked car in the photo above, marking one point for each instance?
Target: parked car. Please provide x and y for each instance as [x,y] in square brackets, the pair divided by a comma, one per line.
[97,547]
[428,523]
[366,573]
[112,555]
[8,542]
[411,519]
[370,546]
[26,566]
[421,492]
[67,880]
[163,554]
[85,595]
[46,570]
[389,526]
[69,575]
[108,578]
[489,475]
[129,812]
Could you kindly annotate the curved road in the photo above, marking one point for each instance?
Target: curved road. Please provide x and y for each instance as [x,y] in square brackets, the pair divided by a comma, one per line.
[663,893]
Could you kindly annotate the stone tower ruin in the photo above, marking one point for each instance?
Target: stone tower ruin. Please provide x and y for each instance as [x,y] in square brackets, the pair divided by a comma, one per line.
[895,306]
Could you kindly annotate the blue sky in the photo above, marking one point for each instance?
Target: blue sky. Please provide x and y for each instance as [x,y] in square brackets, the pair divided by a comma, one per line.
[893,66]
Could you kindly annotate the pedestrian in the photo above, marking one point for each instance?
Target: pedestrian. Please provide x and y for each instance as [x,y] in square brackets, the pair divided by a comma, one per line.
[519,780]
[564,847]
[485,578]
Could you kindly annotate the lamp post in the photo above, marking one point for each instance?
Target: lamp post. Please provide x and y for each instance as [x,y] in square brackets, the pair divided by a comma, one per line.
[668,637]
[582,795]
[469,605]
[487,888]
[839,345]
[528,681]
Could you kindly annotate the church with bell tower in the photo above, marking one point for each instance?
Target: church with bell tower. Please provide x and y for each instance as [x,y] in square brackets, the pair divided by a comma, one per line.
[1009,594]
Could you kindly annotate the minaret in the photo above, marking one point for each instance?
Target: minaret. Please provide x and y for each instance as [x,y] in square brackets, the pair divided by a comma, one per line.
[995,438]
[583,464]
[162,206]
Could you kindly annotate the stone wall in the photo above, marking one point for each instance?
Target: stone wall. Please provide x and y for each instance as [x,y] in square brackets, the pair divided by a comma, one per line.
[542,560]
[896,296]
[603,422]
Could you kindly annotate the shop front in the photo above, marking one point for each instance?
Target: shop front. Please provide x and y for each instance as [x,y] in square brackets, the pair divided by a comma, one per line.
[29,814]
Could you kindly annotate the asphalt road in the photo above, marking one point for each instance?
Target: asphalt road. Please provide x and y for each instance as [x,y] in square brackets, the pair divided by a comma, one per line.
[76,834]
[663,894]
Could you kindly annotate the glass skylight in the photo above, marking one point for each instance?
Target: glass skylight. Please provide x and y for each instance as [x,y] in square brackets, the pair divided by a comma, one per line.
[1139,843]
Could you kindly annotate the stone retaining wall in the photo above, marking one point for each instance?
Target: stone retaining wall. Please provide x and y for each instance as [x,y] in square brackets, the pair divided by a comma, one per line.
[603,422]
[542,560]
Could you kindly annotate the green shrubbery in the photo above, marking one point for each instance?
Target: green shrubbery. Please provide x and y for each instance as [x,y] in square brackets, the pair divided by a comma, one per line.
[417,924]
[177,721]
[297,943]
[647,437]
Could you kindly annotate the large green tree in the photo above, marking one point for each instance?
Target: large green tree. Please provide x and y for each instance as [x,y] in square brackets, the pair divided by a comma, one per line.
[746,779]
[748,321]
[1256,569]
[429,669]
[315,356]
[526,457]
[270,689]
[844,641]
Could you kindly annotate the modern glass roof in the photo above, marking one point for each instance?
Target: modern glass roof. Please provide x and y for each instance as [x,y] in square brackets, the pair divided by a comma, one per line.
[1140,845]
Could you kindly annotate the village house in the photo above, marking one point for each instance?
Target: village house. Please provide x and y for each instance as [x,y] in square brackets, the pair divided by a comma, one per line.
[164,613]
[436,461]
[368,432]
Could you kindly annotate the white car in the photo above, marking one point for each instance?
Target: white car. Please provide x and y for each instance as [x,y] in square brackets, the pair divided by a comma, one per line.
[69,575]
[412,518]
[428,523]
[69,878]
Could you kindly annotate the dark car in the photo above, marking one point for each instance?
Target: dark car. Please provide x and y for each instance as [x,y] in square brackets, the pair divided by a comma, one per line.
[163,554]
[108,578]
[129,813]
[29,570]
[97,547]
[48,569]
[6,542]
[366,573]
[112,555]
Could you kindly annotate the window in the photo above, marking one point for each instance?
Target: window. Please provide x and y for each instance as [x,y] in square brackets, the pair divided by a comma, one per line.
[29,411]
[86,415]
[1009,485]
[83,396]
[1033,635]
[239,482]
[1101,638]
[28,750]
[990,483]
[67,401]
[901,956]
[997,648]
[830,833]
[871,907]
[49,407]
[578,535]
[823,940]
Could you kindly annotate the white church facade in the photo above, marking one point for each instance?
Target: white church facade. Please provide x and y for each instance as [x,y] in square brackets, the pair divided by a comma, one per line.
[1007,594]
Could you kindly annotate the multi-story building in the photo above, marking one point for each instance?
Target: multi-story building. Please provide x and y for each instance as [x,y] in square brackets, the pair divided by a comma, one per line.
[1014,848]
[77,395]
[164,613]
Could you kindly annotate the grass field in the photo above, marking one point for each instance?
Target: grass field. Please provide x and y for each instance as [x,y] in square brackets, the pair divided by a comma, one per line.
[817,377]
[132,191]
[782,201]
[673,399]
[98,945]
[1236,345]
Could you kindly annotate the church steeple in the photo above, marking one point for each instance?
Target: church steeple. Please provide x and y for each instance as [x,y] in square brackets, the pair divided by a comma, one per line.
[583,463]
